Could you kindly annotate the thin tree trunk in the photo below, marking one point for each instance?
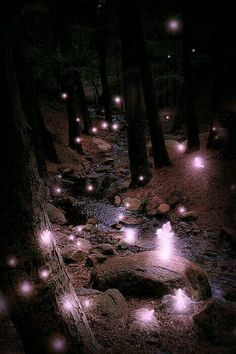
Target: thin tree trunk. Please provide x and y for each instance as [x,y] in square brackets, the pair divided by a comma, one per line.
[35,306]
[159,151]
[131,76]
[191,120]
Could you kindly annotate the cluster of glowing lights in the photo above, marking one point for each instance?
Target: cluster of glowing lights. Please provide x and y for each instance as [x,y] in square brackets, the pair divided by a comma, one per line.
[130,235]
[64,95]
[198,163]
[166,241]
[46,237]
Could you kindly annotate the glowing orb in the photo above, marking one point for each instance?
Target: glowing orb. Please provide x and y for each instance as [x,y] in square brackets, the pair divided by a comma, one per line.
[58,344]
[64,95]
[67,304]
[127,205]
[144,315]
[78,140]
[181,210]
[198,162]
[86,303]
[46,237]
[130,235]
[167,117]
[26,288]
[44,273]
[71,237]
[181,147]
[173,25]
[115,126]
[78,244]
[120,217]
[166,241]
[168,56]
[104,125]
[79,228]
[77,119]
[213,129]
[193,50]
[141,178]
[58,190]
[117,99]
[90,188]
[12,262]
[94,129]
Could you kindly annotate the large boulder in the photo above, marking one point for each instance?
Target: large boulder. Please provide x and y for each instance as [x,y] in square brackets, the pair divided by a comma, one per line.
[145,273]
[217,320]
[77,251]
[132,204]
[55,215]
[153,205]
[111,303]
[102,145]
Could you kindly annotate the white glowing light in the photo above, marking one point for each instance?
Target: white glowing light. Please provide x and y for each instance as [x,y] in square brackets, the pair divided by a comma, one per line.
[46,237]
[173,25]
[12,262]
[181,210]
[71,237]
[120,217]
[145,316]
[94,129]
[198,162]
[77,119]
[90,188]
[127,205]
[115,126]
[181,147]
[78,243]
[213,129]
[104,125]
[193,50]
[68,304]
[79,228]
[86,303]
[59,176]
[181,301]
[167,117]
[78,140]
[58,190]
[168,56]
[58,344]
[64,95]
[44,273]
[117,99]
[130,235]
[141,178]
[166,241]
[26,288]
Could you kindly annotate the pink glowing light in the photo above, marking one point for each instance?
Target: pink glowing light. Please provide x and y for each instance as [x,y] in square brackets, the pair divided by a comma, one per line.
[167,117]
[90,188]
[181,210]
[141,178]
[77,119]
[46,237]
[94,129]
[78,244]
[11,262]
[104,125]
[173,25]
[86,303]
[213,129]
[58,190]
[44,273]
[117,99]
[130,235]
[26,288]
[78,140]
[181,147]
[71,237]
[145,316]
[115,126]
[198,162]
[127,205]
[79,228]
[166,241]
[58,344]
[64,95]
[120,217]
[181,301]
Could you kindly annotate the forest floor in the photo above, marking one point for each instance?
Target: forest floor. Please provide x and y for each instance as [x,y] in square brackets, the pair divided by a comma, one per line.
[207,239]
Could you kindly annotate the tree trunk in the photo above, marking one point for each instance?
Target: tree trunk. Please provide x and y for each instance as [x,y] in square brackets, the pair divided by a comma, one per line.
[131,76]
[83,104]
[35,305]
[102,57]
[159,151]
[191,120]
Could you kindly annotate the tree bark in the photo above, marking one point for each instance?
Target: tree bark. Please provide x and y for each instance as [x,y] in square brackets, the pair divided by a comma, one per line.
[37,313]
[159,151]
[131,76]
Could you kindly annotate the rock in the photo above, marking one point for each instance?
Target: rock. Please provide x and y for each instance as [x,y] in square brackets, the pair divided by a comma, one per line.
[111,303]
[67,171]
[108,161]
[117,201]
[66,201]
[175,197]
[189,215]
[153,205]
[77,251]
[55,215]
[132,204]
[106,249]
[102,145]
[92,221]
[131,220]
[163,209]
[145,273]
[94,259]
[86,291]
[124,185]
[217,320]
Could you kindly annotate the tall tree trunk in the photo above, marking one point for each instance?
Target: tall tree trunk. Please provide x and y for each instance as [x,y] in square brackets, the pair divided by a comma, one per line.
[159,151]
[83,104]
[131,76]
[102,57]
[35,305]
[191,120]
